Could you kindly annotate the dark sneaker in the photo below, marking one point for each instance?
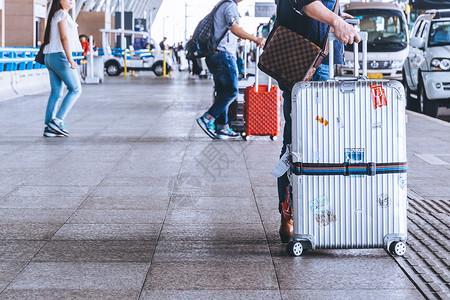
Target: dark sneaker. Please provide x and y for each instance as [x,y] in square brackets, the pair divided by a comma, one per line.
[48,132]
[225,134]
[59,127]
[208,127]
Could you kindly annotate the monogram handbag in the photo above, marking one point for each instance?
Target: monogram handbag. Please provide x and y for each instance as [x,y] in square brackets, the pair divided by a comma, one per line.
[289,57]
[40,57]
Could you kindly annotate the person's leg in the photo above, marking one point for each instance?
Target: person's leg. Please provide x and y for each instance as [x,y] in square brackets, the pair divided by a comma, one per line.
[218,87]
[55,94]
[284,189]
[220,120]
[283,181]
[198,64]
[206,121]
[224,68]
[71,79]
[61,67]
[229,94]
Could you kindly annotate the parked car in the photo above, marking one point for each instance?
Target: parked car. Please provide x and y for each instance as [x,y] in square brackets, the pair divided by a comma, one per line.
[140,60]
[426,73]
[387,45]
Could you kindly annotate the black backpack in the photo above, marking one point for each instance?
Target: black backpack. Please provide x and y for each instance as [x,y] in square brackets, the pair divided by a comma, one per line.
[203,43]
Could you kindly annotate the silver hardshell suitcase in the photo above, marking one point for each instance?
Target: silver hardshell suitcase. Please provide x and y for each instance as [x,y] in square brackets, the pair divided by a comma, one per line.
[348,163]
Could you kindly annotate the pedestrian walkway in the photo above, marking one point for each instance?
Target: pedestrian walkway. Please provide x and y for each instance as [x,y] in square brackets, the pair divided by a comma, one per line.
[428,260]
[140,204]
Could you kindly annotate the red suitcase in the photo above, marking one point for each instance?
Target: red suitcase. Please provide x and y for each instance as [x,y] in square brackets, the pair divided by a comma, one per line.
[261,109]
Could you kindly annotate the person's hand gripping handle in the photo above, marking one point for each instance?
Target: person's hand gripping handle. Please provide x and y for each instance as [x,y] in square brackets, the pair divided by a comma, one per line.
[344,29]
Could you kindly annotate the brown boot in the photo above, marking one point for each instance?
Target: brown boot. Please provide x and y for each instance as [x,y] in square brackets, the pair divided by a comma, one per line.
[286,229]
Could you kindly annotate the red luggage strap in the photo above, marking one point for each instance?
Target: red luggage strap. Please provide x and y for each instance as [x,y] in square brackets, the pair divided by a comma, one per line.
[347,169]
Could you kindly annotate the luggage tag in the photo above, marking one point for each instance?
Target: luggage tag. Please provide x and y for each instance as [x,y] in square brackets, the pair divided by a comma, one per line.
[283,164]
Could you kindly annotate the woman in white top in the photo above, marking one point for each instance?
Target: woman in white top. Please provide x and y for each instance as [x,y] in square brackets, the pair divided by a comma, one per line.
[61,39]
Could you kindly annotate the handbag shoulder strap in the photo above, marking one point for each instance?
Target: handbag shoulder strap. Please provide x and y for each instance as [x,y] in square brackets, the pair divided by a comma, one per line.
[326,43]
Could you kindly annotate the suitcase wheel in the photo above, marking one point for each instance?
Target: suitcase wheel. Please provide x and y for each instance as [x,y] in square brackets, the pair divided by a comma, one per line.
[294,248]
[274,137]
[397,248]
[246,137]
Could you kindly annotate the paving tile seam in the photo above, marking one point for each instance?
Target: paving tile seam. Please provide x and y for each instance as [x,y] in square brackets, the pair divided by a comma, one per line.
[262,222]
[54,233]
[284,290]
[23,268]
[433,219]
[426,260]
[428,214]
[165,216]
[439,208]
[428,278]
[94,188]
[418,239]
[424,223]
[423,230]
[423,270]
[421,208]
[427,224]
[414,278]
[14,190]
[419,211]
[151,223]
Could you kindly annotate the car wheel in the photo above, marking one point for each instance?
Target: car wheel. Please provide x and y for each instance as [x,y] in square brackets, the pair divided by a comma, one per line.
[113,68]
[412,103]
[158,68]
[430,108]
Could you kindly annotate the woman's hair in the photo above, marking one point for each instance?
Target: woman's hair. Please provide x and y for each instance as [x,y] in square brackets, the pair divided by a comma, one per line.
[56,5]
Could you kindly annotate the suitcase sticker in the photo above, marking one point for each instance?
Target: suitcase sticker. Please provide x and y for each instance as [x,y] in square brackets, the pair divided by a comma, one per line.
[378,96]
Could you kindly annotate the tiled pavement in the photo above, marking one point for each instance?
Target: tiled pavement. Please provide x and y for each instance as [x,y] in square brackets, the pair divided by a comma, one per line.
[427,261]
[139,203]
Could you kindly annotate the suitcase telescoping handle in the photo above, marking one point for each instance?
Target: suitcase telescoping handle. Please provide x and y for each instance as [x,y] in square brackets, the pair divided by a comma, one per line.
[258,53]
[363,35]
[245,58]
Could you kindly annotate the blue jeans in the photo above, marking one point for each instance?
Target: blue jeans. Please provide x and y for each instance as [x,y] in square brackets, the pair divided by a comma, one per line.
[60,71]
[224,69]
[283,181]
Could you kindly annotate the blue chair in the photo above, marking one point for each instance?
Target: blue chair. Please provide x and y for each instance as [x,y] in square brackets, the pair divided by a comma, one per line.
[30,64]
[11,66]
[22,65]
[2,65]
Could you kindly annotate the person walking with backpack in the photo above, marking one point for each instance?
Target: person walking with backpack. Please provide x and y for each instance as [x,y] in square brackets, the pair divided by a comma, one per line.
[222,65]
[60,40]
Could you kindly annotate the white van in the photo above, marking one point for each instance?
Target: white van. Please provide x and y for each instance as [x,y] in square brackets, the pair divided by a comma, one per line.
[388,39]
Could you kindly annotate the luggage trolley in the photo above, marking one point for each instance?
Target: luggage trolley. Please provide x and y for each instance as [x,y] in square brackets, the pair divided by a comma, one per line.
[348,163]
